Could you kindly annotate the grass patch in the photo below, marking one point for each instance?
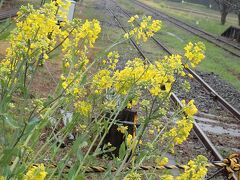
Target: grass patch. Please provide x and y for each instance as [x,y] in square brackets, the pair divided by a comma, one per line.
[208,19]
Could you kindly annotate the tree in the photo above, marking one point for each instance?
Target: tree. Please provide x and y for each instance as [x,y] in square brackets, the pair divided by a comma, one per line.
[226,6]
[237,11]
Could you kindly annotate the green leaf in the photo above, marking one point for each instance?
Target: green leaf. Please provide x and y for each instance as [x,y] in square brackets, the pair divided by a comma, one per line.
[122,151]
[10,122]
[72,171]
[8,154]
[80,177]
[84,79]
[31,125]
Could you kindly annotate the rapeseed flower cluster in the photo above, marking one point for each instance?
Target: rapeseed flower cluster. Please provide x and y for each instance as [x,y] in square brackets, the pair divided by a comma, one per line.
[161,161]
[194,53]
[35,35]
[75,49]
[184,125]
[83,107]
[112,60]
[36,172]
[122,129]
[102,80]
[181,131]
[147,28]
[149,76]
[133,176]
[129,140]
[195,170]
[189,109]
[76,61]
[86,33]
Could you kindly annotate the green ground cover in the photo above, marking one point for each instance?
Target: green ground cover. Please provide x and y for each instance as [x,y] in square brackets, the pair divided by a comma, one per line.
[208,20]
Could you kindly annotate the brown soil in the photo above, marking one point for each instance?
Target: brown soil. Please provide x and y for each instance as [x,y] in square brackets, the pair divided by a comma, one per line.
[46,79]
[234,73]
[3,47]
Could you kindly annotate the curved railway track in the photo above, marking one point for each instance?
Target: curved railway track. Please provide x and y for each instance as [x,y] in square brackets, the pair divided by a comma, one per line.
[196,128]
[220,42]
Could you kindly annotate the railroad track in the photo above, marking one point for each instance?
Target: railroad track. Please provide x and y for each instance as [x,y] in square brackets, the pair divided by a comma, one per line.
[198,131]
[8,14]
[220,42]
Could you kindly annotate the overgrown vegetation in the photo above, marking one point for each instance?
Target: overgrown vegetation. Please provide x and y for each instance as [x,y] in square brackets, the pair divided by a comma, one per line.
[90,94]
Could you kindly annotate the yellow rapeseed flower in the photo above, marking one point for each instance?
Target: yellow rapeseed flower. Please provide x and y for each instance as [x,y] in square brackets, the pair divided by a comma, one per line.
[190,109]
[122,129]
[166,177]
[151,131]
[83,107]
[64,85]
[102,80]
[148,27]
[194,53]
[36,172]
[161,162]
[67,65]
[195,170]
[131,19]
[133,176]
[129,140]
[181,131]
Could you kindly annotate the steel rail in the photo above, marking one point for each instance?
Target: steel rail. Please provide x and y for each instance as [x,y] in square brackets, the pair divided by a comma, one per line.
[201,33]
[196,128]
[213,93]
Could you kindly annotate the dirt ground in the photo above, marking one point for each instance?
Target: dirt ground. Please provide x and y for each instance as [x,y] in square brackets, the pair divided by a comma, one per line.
[3,47]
